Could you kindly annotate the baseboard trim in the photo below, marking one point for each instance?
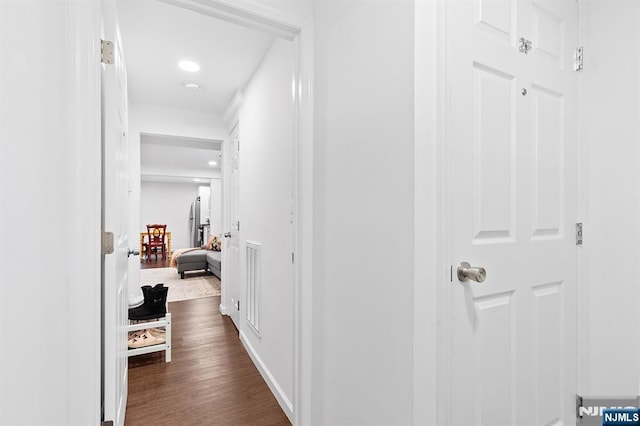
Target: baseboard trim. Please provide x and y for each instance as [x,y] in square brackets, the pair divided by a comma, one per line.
[276,390]
[223,310]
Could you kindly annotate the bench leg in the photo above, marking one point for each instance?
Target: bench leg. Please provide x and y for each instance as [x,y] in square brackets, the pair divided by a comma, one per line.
[182,275]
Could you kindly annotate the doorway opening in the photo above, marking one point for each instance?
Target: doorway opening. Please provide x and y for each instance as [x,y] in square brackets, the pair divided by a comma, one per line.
[181,187]
[264,110]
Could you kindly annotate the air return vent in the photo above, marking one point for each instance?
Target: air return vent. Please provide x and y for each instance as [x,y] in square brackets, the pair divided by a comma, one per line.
[254,271]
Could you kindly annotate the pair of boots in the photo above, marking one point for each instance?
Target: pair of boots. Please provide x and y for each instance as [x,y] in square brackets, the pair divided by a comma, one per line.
[154,305]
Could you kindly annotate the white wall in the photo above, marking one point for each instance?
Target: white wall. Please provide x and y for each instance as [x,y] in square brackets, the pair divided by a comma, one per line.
[364,230]
[49,202]
[610,112]
[169,203]
[266,183]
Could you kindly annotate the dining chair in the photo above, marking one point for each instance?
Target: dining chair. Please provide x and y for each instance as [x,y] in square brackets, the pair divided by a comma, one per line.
[157,241]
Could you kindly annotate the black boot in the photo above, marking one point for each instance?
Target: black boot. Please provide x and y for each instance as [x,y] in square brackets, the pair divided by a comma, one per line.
[158,295]
[155,303]
[138,311]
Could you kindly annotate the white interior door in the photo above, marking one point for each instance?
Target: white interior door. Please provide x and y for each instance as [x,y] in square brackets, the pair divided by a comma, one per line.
[512,134]
[115,209]
[231,248]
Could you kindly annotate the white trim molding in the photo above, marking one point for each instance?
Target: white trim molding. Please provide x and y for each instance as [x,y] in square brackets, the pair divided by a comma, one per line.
[276,389]
[223,310]
[84,124]
[231,116]
[443,257]
[426,255]
[246,13]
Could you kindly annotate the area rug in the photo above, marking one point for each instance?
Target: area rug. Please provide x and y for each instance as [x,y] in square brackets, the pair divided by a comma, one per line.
[194,285]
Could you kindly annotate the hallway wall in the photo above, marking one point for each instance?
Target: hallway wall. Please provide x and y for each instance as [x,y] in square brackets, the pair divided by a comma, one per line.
[610,100]
[49,213]
[364,227]
[266,185]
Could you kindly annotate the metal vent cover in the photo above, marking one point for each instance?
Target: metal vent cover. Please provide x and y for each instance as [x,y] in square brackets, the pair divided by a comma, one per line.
[254,281]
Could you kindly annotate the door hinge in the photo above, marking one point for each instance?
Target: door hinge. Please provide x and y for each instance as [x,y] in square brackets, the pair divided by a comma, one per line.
[579,233]
[106,243]
[292,258]
[578,59]
[237,305]
[579,405]
[106,52]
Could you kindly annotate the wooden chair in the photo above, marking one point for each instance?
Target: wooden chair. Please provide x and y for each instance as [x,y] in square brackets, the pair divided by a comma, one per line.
[157,240]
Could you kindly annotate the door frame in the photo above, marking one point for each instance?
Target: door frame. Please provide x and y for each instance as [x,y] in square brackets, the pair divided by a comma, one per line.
[83,73]
[432,287]
[443,285]
[84,106]
[431,404]
[299,30]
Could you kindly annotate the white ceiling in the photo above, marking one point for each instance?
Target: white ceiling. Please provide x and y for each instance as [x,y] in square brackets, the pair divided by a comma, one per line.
[177,159]
[156,36]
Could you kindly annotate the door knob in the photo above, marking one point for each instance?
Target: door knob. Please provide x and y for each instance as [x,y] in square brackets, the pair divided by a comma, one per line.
[227,234]
[474,273]
[133,252]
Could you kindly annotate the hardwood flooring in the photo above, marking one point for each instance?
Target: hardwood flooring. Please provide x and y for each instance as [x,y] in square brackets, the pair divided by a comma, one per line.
[155,263]
[210,381]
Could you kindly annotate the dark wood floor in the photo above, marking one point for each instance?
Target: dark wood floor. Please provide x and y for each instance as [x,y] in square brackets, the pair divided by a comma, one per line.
[155,263]
[210,380]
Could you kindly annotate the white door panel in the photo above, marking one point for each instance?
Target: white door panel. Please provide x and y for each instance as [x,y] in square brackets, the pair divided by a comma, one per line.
[115,197]
[231,246]
[513,183]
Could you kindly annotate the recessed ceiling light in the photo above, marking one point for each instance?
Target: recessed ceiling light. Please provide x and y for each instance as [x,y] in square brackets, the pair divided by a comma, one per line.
[213,163]
[196,180]
[189,66]
[191,85]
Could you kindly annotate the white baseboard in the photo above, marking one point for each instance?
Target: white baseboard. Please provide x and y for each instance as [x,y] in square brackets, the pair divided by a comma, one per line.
[277,391]
[224,310]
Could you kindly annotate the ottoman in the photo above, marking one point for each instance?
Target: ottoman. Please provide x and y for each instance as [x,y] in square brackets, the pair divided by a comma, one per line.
[191,261]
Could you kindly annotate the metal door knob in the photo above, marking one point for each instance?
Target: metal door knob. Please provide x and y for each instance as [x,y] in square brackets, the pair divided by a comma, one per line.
[467,272]
[133,252]
[227,234]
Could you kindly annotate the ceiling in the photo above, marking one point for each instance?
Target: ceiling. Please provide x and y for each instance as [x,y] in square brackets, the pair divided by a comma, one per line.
[156,36]
[176,159]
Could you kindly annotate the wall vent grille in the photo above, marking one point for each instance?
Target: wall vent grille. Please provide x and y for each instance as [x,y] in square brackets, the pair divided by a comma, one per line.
[254,279]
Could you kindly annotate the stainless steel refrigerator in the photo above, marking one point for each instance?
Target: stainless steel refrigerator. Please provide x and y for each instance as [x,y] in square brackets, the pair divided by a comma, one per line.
[194,224]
